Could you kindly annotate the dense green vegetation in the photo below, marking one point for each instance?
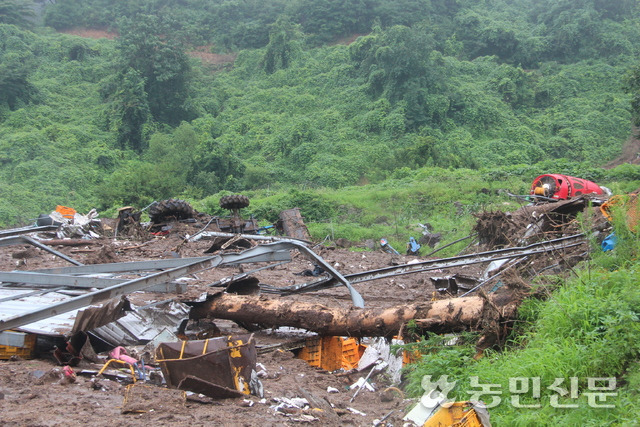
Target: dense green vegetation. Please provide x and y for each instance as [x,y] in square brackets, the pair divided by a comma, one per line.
[481,85]
[369,115]
[588,328]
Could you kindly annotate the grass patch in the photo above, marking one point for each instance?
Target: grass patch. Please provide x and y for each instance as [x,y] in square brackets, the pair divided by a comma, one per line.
[588,328]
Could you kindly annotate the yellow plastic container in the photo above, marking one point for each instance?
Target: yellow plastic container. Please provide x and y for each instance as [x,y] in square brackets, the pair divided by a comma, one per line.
[25,351]
[457,414]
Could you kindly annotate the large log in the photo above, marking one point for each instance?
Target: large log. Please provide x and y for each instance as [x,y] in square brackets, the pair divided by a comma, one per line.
[436,316]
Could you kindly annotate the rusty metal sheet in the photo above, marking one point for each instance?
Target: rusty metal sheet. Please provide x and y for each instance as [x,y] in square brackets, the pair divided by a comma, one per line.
[218,367]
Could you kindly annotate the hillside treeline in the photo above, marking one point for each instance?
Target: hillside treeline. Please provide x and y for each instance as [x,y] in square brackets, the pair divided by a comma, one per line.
[322,93]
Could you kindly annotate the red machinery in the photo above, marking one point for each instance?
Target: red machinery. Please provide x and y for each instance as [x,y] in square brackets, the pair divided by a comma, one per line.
[561,187]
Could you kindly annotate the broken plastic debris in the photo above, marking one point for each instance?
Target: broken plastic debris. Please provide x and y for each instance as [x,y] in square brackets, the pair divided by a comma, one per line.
[304,418]
[295,402]
[427,405]
[362,383]
[355,411]
[332,390]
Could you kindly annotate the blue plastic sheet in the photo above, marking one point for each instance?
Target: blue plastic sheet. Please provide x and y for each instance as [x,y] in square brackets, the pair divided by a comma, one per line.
[609,242]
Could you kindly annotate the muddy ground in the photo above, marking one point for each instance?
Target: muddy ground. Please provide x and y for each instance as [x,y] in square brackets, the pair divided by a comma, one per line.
[33,401]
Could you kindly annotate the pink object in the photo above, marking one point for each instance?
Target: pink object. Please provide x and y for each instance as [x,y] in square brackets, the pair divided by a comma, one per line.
[120,353]
[68,371]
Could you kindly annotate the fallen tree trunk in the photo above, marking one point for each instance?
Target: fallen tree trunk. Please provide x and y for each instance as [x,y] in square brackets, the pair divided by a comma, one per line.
[458,314]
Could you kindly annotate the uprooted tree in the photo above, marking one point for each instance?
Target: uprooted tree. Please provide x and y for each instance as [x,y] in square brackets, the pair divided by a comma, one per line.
[487,314]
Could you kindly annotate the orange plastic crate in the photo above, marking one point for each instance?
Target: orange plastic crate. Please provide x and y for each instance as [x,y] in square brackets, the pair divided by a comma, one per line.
[331,353]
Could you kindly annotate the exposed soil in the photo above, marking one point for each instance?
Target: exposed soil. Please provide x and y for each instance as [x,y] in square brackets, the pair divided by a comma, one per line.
[29,398]
[630,151]
[91,33]
[209,59]
[212,59]
[347,40]
[29,401]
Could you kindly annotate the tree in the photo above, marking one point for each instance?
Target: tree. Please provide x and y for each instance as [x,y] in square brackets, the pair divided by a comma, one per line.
[280,49]
[484,35]
[400,64]
[14,83]
[16,64]
[632,87]
[402,12]
[616,9]
[328,19]
[216,167]
[146,46]
[16,12]
[129,109]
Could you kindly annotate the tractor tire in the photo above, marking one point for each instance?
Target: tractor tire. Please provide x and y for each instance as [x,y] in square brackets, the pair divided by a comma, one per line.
[171,209]
[235,201]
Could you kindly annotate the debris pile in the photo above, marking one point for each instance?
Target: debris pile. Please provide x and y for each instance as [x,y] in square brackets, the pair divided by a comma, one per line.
[191,315]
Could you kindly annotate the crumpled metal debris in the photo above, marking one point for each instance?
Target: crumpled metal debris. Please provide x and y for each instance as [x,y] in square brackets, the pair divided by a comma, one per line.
[80,226]
[221,367]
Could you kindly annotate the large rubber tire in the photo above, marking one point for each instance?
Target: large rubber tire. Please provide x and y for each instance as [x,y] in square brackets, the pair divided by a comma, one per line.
[235,201]
[172,209]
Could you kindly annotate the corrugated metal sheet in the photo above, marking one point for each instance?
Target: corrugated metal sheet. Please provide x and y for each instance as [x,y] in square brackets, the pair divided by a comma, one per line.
[143,324]
[137,326]
[56,325]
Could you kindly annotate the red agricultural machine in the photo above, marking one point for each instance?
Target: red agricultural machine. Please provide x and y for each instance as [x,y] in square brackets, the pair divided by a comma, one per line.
[562,187]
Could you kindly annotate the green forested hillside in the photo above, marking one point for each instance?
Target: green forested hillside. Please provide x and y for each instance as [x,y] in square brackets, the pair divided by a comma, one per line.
[492,86]
[369,115]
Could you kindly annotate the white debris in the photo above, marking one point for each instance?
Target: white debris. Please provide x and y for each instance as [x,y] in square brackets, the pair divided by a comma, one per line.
[362,383]
[355,411]
[299,402]
[304,418]
[262,370]
[379,352]
[332,390]
[295,402]
[428,404]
